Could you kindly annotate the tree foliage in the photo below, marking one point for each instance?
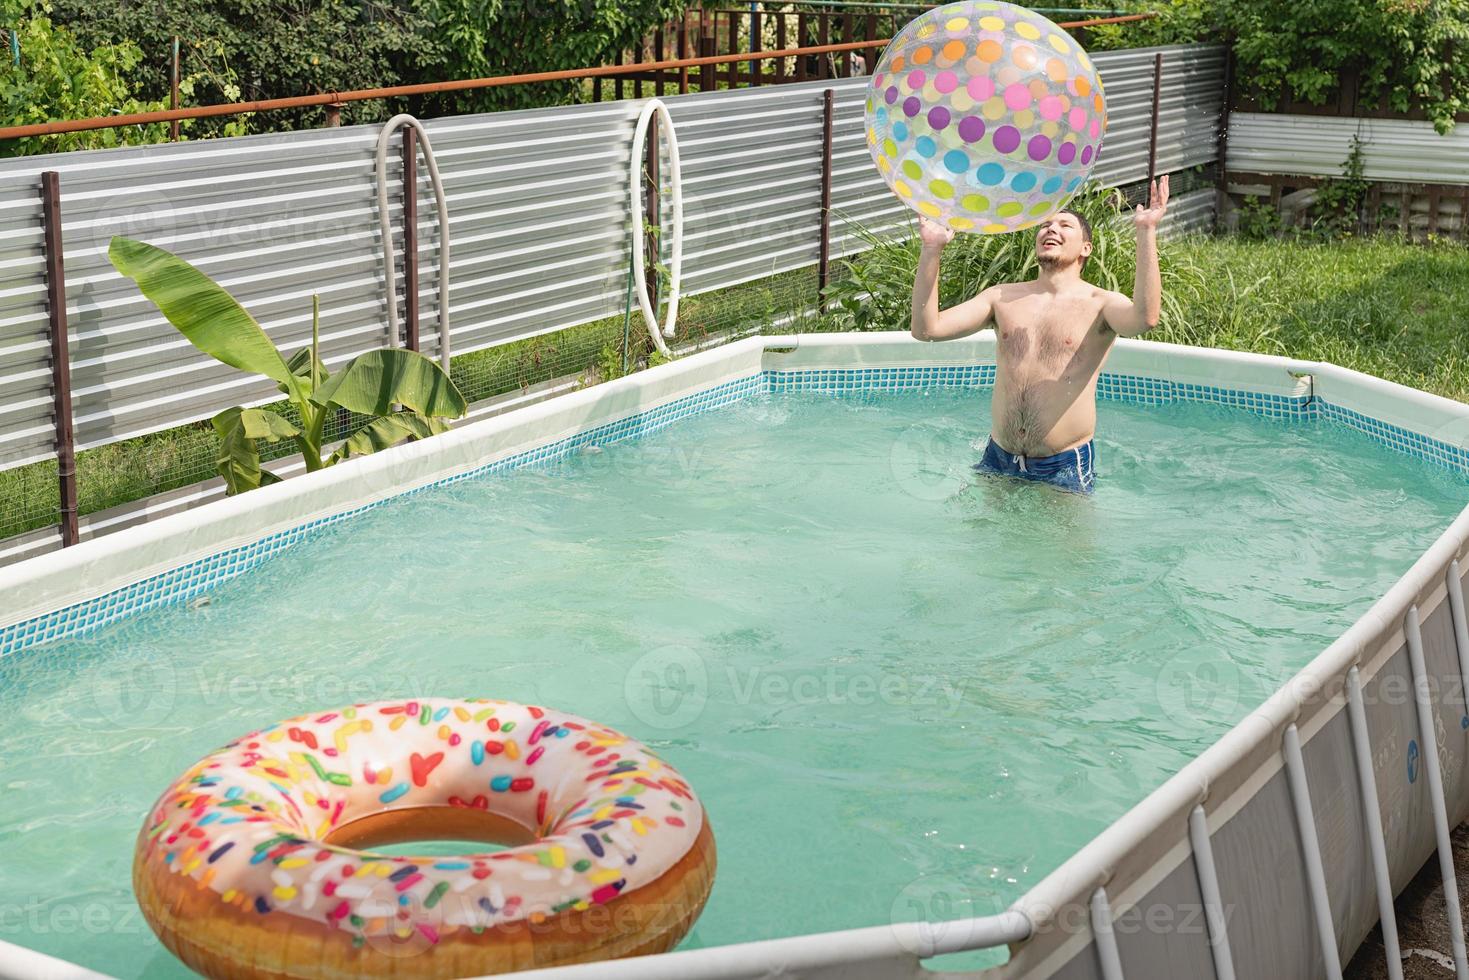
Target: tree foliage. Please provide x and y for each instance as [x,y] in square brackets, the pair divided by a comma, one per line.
[59,77]
[1409,53]
[266,49]
[501,37]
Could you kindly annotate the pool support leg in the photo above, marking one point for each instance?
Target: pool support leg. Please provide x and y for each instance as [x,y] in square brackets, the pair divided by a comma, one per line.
[1300,795]
[1203,848]
[1372,815]
[1435,790]
[1105,938]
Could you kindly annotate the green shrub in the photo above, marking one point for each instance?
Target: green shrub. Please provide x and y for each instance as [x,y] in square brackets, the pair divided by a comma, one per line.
[1409,52]
[874,290]
[58,77]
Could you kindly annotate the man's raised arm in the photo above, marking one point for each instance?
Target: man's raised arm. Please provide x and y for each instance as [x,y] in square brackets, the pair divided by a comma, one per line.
[1130,317]
[929,322]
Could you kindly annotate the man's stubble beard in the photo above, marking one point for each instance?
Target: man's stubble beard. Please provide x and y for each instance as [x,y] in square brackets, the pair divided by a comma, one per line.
[1051,263]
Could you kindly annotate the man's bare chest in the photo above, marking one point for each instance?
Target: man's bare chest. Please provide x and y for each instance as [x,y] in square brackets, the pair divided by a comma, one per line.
[1046,332]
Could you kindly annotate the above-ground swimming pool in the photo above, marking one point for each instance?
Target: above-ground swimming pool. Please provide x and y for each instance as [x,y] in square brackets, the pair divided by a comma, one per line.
[904,692]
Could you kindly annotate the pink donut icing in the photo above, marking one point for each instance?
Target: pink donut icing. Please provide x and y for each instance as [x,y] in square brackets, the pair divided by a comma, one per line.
[249,820]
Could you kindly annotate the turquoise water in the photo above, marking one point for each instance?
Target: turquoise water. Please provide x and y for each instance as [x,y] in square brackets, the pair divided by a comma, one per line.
[900,690]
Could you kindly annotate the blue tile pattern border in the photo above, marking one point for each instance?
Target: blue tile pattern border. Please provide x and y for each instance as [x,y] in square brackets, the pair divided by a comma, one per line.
[187,581]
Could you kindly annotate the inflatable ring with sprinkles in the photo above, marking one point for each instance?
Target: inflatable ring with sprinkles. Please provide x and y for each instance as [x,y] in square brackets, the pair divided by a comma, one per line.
[257,862]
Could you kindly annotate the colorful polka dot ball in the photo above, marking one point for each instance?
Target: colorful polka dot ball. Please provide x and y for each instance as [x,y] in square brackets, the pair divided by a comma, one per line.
[984,116]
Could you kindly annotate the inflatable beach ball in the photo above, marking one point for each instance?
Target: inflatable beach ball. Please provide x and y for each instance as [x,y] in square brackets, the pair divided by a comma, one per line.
[985,116]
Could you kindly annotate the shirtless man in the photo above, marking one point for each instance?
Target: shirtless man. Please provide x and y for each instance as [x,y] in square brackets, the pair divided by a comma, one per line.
[1052,336]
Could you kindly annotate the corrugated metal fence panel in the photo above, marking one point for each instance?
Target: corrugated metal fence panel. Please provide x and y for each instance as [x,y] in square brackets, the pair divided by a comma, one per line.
[26,430]
[538,220]
[1190,106]
[1193,211]
[751,183]
[1406,150]
[273,218]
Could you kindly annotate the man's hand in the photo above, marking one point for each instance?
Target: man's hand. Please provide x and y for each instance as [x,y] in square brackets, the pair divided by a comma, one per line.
[935,235]
[1148,217]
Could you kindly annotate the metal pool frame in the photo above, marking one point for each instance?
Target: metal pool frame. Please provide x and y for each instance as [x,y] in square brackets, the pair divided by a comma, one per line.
[1271,854]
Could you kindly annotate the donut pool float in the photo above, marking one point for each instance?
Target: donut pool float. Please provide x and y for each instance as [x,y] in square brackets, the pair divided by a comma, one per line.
[257,861]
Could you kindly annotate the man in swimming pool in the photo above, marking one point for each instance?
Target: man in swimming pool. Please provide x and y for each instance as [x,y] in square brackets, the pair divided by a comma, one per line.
[1051,337]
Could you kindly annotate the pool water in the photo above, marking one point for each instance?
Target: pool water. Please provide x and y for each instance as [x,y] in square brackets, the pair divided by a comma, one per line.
[901,690]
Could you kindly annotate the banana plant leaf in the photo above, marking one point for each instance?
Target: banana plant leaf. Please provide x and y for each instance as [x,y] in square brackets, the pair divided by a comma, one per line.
[202,310]
[389,430]
[376,381]
[239,456]
[297,365]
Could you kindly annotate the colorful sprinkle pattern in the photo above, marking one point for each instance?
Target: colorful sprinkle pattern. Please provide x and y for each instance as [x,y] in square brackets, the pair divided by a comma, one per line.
[248,821]
[985,116]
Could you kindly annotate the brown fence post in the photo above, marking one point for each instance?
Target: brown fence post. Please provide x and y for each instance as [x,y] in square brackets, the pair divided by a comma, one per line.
[658,56]
[1153,126]
[757,43]
[410,238]
[334,114]
[1223,175]
[708,48]
[823,38]
[683,52]
[66,465]
[173,91]
[651,231]
[828,109]
[802,30]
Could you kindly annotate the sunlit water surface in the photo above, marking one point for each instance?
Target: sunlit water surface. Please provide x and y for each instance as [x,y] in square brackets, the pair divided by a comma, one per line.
[900,689]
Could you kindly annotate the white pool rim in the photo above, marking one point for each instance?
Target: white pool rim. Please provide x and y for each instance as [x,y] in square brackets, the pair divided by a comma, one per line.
[1054,930]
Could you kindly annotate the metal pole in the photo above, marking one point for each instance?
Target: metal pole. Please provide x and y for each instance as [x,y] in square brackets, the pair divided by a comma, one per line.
[683,52]
[1153,126]
[1300,795]
[1208,875]
[823,262]
[1429,737]
[651,204]
[173,94]
[66,466]
[1223,176]
[410,238]
[1108,956]
[1372,814]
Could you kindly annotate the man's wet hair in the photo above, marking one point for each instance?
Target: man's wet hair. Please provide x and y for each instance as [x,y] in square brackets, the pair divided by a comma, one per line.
[1086,226]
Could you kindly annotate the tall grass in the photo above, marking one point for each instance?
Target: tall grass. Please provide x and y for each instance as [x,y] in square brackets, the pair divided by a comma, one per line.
[1379,305]
[875,288]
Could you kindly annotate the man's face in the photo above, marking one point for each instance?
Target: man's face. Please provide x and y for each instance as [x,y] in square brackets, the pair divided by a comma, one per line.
[1059,241]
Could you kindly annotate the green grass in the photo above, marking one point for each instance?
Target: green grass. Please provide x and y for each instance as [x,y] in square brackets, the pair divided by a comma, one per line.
[1378,305]
[136,468]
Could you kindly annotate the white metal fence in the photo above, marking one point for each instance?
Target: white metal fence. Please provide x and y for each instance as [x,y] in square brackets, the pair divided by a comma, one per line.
[1406,150]
[539,228]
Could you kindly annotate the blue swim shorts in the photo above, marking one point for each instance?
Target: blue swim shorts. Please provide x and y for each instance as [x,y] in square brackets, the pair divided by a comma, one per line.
[1072,470]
